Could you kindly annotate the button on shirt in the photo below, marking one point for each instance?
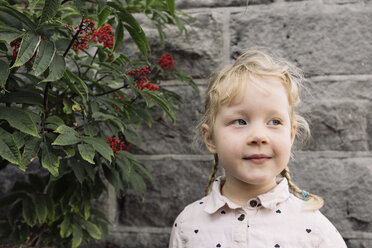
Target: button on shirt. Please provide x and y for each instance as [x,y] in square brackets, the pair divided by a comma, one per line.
[271,220]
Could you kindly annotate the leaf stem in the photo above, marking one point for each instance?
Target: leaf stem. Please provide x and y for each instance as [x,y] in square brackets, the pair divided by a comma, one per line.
[74,37]
[113,90]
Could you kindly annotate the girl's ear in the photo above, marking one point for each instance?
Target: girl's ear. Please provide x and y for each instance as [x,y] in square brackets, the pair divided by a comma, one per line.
[208,138]
[293,132]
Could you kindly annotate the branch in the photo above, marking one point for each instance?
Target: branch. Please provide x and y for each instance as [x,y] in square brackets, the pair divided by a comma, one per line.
[74,37]
[91,62]
[111,91]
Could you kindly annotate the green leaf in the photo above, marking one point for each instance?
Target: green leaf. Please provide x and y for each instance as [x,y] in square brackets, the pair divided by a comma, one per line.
[19,16]
[48,160]
[138,183]
[188,80]
[8,34]
[171,6]
[19,119]
[101,3]
[92,229]
[80,5]
[29,44]
[70,151]
[119,35]
[8,147]
[87,152]
[104,117]
[135,30]
[102,16]
[65,139]
[32,4]
[77,236]
[101,146]
[65,227]
[79,80]
[163,103]
[50,10]
[78,171]
[44,57]
[113,177]
[56,68]
[73,87]
[41,208]
[28,211]
[90,130]
[54,122]
[10,198]
[30,151]
[68,136]
[30,96]
[4,73]
[19,138]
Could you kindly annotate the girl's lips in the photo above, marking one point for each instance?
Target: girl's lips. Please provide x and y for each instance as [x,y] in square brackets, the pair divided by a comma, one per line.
[258,158]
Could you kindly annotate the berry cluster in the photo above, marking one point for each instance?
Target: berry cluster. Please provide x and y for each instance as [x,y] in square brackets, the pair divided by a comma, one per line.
[166,61]
[116,145]
[142,82]
[87,29]
[104,35]
[15,44]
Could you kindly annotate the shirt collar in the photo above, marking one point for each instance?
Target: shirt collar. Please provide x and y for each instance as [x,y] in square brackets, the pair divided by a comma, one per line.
[270,199]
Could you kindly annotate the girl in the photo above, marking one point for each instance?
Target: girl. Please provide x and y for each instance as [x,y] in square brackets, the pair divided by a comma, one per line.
[249,125]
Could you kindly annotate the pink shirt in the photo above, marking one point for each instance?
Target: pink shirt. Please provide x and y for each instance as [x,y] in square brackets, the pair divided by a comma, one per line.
[271,220]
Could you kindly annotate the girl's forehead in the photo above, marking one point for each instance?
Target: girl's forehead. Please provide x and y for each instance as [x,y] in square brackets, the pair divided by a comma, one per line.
[238,87]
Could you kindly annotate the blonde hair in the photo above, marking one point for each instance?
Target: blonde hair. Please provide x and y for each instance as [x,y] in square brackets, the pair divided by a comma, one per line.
[225,85]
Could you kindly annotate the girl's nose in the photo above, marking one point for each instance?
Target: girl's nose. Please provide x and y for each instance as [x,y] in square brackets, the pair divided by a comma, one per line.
[257,136]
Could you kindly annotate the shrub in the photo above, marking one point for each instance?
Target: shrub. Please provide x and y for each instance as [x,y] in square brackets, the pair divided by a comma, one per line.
[71,101]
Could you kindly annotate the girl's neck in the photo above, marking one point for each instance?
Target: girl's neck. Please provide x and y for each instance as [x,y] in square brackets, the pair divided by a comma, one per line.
[240,192]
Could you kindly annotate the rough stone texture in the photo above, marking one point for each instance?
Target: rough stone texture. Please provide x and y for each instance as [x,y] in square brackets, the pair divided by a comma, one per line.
[359,243]
[197,56]
[138,239]
[343,181]
[321,39]
[176,183]
[164,137]
[337,125]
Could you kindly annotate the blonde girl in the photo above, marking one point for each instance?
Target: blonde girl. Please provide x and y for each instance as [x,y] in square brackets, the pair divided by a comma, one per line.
[249,125]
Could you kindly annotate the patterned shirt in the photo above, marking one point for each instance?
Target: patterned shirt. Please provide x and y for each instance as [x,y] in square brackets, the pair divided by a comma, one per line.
[271,220]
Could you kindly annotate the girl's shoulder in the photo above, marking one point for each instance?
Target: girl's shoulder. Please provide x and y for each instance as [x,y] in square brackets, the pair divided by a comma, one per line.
[193,211]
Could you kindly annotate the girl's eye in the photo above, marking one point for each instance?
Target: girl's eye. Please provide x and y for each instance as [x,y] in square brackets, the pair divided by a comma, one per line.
[240,122]
[274,122]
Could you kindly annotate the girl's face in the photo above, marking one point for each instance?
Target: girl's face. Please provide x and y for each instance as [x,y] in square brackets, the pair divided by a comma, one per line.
[253,134]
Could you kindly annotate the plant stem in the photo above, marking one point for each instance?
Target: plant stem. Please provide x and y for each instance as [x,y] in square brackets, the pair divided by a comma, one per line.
[113,90]
[74,37]
[91,62]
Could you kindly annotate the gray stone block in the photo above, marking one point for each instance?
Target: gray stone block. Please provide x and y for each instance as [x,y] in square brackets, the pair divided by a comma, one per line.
[164,137]
[337,88]
[198,55]
[361,243]
[337,125]
[139,240]
[320,38]
[344,182]
[176,183]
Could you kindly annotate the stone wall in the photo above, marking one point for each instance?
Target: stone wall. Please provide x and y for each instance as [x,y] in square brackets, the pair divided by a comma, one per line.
[330,41]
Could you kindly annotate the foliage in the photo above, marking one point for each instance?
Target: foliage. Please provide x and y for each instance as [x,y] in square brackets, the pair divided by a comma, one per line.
[72,101]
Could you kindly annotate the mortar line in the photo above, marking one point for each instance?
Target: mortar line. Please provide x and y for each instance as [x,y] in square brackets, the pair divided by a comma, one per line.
[207,157]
